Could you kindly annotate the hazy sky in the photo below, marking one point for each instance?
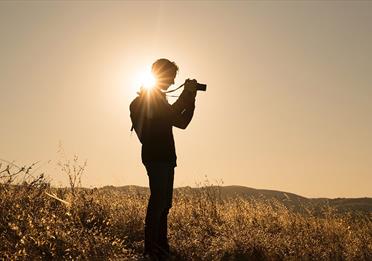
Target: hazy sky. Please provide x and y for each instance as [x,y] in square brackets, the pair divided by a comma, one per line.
[288,105]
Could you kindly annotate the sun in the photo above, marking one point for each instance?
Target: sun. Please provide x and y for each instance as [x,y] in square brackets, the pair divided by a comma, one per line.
[146,79]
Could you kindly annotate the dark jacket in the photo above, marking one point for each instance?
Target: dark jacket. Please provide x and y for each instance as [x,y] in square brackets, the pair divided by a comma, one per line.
[153,118]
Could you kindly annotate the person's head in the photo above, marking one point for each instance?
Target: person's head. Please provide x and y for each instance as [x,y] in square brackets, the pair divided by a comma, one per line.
[164,71]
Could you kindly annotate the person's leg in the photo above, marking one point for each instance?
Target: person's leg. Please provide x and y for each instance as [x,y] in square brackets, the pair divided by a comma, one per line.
[163,231]
[158,181]
[150,226]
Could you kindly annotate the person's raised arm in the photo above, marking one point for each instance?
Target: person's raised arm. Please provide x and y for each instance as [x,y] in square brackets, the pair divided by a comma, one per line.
[183,109]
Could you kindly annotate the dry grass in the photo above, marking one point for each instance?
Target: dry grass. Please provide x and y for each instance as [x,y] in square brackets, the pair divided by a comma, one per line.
[108,224]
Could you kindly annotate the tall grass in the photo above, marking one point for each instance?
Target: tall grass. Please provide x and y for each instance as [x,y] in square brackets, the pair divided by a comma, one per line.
[39,221]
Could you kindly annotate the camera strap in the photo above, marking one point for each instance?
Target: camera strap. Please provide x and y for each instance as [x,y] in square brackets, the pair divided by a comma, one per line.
[175,89]
[173,96]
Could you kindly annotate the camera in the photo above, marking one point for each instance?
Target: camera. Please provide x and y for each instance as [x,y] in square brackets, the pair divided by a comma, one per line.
[201,87]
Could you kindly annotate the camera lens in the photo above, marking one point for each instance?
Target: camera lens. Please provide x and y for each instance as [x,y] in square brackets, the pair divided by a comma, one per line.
[201,87]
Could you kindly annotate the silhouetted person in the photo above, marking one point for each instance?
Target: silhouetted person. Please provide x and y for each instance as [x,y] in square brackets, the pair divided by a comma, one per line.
[153,119]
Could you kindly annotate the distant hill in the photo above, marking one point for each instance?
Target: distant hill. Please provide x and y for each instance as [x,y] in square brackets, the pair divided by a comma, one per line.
[289,199]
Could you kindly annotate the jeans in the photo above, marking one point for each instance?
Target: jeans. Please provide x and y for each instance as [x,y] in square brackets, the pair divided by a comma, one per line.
[161,176]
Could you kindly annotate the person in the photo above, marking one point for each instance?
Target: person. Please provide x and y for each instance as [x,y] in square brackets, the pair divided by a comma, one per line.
[153,119]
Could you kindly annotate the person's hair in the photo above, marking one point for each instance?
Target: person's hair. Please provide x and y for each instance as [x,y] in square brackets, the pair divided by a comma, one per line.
[164,66]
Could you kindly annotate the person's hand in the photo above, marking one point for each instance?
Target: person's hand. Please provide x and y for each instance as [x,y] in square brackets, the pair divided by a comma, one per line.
[191,85]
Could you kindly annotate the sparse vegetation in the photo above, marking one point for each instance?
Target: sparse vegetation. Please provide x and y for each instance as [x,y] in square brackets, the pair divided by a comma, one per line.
[76,223]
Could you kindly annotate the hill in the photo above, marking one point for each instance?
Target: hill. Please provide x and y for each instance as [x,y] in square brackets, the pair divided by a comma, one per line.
[290,200]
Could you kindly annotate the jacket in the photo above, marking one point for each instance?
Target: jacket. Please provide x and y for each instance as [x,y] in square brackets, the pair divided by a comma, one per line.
[153,119]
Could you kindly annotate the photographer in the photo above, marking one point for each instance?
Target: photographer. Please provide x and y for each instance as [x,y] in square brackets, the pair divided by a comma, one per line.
[153,119]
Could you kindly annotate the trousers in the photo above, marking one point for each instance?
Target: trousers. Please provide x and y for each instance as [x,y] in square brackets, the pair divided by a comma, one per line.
[161,177]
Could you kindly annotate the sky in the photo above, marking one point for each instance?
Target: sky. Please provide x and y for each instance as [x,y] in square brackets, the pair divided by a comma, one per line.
[288,105]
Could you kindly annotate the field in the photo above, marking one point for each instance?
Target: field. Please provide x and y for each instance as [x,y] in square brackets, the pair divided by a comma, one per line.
[38,221]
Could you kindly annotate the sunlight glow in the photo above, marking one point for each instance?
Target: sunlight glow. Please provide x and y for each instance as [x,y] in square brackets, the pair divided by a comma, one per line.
[146,79]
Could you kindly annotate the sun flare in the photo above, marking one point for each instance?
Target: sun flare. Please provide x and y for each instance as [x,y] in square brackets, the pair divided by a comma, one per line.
[146,79]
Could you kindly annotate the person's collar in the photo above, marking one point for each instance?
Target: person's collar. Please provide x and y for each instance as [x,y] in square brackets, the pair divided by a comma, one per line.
[158,91]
